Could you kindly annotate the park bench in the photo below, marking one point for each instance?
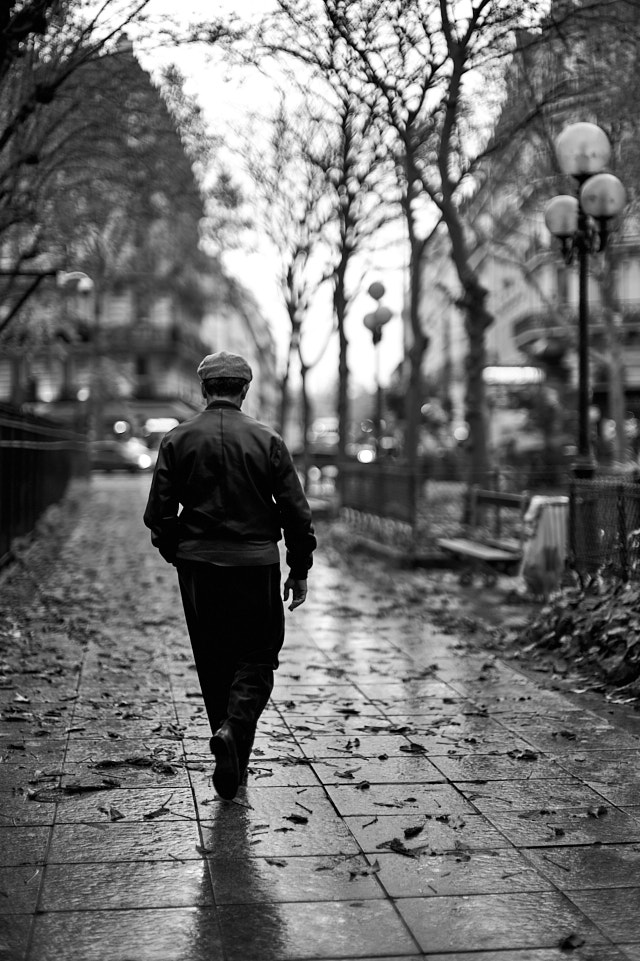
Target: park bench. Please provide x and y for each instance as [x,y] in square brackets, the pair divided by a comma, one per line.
[487,549]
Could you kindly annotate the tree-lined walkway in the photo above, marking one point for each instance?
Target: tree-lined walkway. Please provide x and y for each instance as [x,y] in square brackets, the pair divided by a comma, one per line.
[408,797]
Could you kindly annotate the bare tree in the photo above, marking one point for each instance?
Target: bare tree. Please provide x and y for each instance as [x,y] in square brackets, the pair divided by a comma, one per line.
[290,191]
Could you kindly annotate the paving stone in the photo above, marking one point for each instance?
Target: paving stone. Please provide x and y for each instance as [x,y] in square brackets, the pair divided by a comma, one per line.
[597,867]
[471,872]
[366,746]
[23,845]
[566,826]
[587,952]
[455,832]
[19,888]
[287,879]
[329,929]
[530,794]
[622,793]
[274,822]
[124,841]
[495,921]
[602,765]
[614,910]
[384,770]
[126,884]
[19,811]
[487,767]
[435,799]
[14,936]
[143,804]
[113,771]
[597,738]
[171,934]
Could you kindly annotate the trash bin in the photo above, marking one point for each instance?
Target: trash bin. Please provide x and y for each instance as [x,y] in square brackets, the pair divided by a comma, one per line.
[544,552]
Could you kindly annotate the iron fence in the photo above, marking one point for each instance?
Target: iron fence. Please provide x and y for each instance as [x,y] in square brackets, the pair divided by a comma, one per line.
[604,527]
[38,458]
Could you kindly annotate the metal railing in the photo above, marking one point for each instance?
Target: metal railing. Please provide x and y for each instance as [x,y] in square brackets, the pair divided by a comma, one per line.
[38,458]
[604,527]
[380,490]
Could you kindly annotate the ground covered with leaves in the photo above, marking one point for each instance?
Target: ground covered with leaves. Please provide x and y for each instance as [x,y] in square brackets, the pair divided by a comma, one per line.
[583,639]
[595,629]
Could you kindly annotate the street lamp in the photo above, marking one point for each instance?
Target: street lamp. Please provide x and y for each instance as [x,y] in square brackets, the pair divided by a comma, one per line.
[374,322]
[582,225]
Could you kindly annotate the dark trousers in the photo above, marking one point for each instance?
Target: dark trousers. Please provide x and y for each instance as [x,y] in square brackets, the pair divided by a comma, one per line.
[235,619]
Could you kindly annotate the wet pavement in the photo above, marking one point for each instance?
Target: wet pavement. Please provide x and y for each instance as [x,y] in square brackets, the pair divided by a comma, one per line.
[408,797]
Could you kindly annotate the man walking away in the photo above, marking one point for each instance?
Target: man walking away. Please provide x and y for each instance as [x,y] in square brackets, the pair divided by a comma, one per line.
[224,491]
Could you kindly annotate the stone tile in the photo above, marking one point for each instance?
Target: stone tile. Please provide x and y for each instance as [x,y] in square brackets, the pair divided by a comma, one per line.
[593,866]
[160,774]
[106,749]
[258,879]
[14,936]
[631,952]
[329,929]
[530,794]
[588,952]
[569,740]
[143,804]
[474,872]
[23,845]
[487,767]
[31,753]
[625,793]
[274,822]
[495,921]
[566,826]
[267,748]
[402,770]
[431,799]
[602,765]
[312,704]
[453,833]
[19,810]
[19,888]
[390,696]
[366,746]
[614,910]
[124,841]
[428,687]
[22,778]
[171,934]
[126,884]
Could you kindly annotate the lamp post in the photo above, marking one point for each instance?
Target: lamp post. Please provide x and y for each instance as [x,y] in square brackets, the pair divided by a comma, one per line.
[581,223]
[374,322]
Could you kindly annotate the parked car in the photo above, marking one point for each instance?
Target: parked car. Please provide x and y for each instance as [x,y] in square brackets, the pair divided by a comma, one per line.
[128,455]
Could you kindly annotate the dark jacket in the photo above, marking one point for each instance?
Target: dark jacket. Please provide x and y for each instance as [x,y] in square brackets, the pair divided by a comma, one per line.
[235,481]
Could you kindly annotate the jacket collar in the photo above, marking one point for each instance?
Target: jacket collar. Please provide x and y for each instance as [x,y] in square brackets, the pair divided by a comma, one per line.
[215,404]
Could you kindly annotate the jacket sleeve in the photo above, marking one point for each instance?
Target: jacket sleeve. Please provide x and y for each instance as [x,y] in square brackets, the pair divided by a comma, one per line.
[161,513]
[295,513]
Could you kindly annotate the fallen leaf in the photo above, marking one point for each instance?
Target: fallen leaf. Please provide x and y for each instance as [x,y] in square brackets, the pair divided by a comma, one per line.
[296,818]
[571,941]
[413,832]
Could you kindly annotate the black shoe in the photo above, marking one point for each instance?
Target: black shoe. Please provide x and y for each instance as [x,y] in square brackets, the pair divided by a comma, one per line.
[226,776]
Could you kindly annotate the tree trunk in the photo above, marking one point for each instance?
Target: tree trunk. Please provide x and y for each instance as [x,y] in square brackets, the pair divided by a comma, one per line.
[306,420]
[476,322]
[615,362]
[416,352]
[477,319]
[340,308]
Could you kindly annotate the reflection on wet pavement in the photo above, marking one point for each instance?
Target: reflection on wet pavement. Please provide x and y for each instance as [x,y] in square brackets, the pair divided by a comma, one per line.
[408,796]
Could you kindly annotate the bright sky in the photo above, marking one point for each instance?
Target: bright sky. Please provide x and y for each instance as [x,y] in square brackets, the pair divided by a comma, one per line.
[226,97]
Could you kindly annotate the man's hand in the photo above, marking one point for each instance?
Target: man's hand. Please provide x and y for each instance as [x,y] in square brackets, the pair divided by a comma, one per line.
[298,592]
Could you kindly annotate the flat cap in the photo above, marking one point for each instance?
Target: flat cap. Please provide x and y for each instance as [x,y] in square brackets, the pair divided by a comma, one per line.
[223,364]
